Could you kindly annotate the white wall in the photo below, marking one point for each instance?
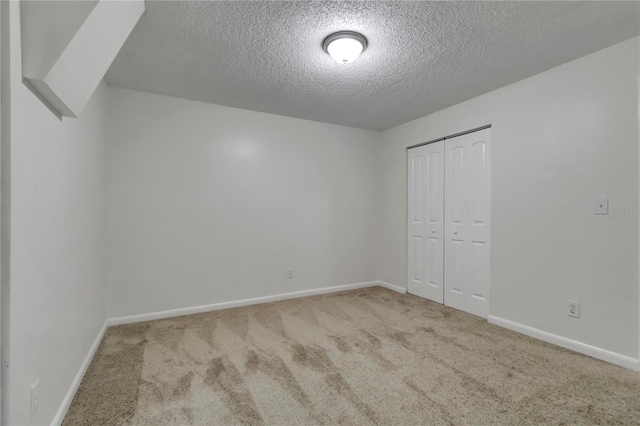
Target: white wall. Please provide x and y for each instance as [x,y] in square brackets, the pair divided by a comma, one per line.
[560,139]
[56,195]
[47,29]
[68,47]
[209,204]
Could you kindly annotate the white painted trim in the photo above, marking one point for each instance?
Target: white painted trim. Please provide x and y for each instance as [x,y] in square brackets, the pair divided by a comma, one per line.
[393,287]
[66,402]
[639,235]
[237,303]
[603,354]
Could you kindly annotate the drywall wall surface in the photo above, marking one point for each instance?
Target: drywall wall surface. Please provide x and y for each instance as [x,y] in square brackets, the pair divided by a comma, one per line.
[69,45]
[5,118]
[57,300]
[43,32]
[210,204]
[560,139]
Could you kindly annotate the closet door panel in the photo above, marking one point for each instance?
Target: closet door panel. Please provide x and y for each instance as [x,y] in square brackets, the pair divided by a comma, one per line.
[425,272]
[478,214]
[455,253]
[467,216]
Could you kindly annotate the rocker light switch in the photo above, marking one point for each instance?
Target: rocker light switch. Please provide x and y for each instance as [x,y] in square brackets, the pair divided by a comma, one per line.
[601,205]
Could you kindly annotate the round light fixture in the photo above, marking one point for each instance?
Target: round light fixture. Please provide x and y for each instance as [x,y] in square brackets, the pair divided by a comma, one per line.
[344,46]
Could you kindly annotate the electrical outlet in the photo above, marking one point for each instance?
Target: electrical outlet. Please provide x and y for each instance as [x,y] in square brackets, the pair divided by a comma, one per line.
[573,309]
[35,398]
[290,273]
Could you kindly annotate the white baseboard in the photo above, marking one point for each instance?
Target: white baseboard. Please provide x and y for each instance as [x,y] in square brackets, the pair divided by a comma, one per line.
[603,354]
[246,302]
[393,287]
[574,345]
[66,402]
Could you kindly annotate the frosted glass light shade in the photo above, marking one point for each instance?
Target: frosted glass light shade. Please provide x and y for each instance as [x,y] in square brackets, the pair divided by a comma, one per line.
[344,46]
[344,50]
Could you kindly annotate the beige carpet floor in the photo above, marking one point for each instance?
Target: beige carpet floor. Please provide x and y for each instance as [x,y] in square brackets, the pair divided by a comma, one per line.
[367,356]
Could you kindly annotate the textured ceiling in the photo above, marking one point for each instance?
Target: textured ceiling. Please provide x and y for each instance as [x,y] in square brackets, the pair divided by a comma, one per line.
[422,56]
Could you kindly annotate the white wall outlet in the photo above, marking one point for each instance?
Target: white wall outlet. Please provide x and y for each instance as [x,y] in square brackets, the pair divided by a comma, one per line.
[573,309]
[289,273]
[601,205]
[35,398]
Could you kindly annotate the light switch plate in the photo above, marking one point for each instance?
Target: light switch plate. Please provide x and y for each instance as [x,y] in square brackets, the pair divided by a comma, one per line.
[601,205]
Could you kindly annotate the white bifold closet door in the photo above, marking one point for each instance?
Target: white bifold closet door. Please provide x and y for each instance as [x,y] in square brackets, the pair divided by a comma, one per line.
[426,226]
[448,239]
[466,213]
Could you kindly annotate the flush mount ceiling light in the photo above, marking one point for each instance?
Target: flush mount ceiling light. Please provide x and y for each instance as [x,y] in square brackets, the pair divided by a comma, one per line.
[344,46]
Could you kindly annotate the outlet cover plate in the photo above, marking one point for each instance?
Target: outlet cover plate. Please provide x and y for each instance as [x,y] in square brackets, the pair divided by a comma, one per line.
[573,309]
[35,399]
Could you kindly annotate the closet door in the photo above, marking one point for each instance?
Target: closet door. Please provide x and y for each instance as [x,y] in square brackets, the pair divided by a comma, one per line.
[425,221]
[467,218]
